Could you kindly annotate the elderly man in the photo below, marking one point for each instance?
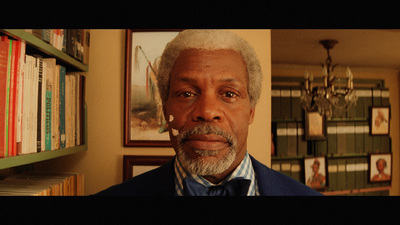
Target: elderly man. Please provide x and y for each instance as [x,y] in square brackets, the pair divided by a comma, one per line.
[209,82]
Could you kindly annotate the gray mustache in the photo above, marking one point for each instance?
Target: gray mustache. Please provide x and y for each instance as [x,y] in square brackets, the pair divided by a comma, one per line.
[205,129]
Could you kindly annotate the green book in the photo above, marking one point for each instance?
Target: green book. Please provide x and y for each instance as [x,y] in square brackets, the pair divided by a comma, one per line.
[297,170]
[331,137]
[285,105]
[367,102]
[332,174]
[291,138]
[361,94]
[281,147]
[350,137]
[376,144]
[367,138]
[295,94]
[376,97]
[286,167]
[359,137]
[386,144]
[350,173]
[301,142]
[341,137]
[341,174]
[275,102]
[361,170]
[321,147]
[385,97]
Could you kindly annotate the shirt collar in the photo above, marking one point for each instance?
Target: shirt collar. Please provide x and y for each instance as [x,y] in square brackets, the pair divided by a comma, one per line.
[245,170]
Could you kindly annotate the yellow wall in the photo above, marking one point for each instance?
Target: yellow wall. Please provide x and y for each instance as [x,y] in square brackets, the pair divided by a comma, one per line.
[102,163]
[391,78]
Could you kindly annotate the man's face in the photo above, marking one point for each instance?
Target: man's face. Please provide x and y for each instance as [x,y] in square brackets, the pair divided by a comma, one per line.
[209,89]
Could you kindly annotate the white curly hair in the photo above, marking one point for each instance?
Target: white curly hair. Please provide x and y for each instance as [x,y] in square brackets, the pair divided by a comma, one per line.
[210,40]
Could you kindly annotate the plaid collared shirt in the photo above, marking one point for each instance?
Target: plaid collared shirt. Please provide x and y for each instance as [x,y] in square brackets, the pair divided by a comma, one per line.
[245,170]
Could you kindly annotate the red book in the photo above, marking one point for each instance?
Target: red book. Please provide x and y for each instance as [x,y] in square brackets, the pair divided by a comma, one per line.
[12,143]
[4,51]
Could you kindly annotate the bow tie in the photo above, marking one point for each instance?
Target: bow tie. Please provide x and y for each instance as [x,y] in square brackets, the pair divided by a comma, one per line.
[235,187]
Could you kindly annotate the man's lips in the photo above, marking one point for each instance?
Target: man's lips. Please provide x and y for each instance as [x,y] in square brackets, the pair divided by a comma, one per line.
[206,142]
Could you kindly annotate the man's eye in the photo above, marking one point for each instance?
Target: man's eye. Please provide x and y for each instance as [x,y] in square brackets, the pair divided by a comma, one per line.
[230,94]
[187,94]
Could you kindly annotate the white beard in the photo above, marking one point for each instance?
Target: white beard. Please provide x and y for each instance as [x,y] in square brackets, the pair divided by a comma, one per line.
[205,164]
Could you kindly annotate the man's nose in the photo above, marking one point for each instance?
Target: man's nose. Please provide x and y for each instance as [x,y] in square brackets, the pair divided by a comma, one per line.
[208,108]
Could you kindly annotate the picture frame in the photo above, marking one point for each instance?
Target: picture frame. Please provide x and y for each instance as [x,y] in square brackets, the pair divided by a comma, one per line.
[144,122]
[315,126]
[380,167]
[380,120]
[316,172]
[134,165]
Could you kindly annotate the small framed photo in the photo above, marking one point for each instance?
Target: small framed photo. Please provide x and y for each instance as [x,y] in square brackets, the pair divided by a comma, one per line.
[315,126]
[379,123]
[315,172]
[380,167]
[134,165]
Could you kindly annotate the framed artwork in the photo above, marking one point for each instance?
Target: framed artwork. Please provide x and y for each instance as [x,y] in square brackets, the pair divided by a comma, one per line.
[144,123]
[315,126]
[315,172]
[380,165]
[134,165]
[379,123]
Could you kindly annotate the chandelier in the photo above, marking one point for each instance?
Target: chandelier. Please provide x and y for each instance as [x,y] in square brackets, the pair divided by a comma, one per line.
[328,98]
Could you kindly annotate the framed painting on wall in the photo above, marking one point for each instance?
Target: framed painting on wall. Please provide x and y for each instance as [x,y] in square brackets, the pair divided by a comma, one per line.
[380,117]
[144,123]
[315,172]
[380,167]
[134,165]
[315,126]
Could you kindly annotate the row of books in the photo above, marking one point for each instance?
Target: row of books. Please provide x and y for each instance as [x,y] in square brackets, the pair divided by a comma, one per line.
[342,138]
[41,105]
[341,173]
[74,42]
[286,102]
[41,183]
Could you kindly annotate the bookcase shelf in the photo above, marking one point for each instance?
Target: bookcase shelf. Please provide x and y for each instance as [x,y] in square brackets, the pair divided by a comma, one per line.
[39,46]
[42,46]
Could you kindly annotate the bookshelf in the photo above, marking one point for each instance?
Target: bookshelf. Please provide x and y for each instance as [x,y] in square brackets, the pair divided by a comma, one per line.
[36,45]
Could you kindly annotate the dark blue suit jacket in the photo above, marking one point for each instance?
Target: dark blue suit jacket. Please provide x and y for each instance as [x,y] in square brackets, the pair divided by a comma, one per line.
[161,182]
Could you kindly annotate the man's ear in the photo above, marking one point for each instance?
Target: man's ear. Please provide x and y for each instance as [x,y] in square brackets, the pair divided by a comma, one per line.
[252,114]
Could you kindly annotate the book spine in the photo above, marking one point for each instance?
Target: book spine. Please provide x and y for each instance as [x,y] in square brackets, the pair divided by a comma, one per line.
[8,97]
[21,80]
[48,116]
[62,107]
[4,48]
[39,66]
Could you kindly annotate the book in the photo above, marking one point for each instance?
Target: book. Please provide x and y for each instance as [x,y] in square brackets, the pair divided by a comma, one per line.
[285,105]
[385,97]
[4,50]
[295,94]
[341,174]
[20,94]
[331,135]
[86,46]
[359,137]
[55,141]
[281,147]
[62,107]
[296,170]
[376,97]
[275,102]
[361,171]
[40,93]
[341,137]
[49,65]
[350,137]
[332,174]
[291,138]
[368,146]
[301,142]
[350,173]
